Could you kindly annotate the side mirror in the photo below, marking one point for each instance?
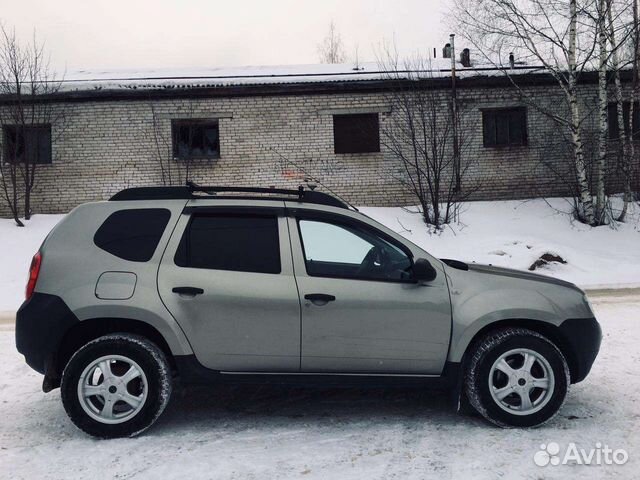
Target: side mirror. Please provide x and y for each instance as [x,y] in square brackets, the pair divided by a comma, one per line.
[423,271]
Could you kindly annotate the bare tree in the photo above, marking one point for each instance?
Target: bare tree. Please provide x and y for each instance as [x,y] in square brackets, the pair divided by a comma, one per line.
[563,36]
[421,135]
[25,78]
[170,174]
[172,171]
[331,49]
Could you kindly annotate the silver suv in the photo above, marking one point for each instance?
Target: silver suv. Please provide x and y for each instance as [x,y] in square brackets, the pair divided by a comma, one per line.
[220,284]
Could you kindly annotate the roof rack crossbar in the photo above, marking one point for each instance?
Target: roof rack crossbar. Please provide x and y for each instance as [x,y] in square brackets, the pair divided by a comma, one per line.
[193,187]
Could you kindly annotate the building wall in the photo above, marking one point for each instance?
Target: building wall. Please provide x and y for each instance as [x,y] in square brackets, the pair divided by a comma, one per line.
[103,147]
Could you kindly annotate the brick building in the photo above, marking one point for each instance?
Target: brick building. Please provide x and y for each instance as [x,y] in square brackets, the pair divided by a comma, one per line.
[276,126]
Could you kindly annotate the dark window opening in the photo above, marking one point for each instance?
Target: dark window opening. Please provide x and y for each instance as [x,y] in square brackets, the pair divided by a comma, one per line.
[241,243]
[504,127]
[27,144]
[194,139]
[612,119]
[357,133]
[133,234]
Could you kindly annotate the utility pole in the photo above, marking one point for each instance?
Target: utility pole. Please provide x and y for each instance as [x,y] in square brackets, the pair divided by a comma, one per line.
[454,113]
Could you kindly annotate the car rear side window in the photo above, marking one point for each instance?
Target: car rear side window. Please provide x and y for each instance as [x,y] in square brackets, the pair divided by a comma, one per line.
[133,234]
[241,243]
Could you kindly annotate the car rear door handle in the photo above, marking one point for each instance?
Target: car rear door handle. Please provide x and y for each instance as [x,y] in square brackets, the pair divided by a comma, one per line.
[187,290]
[319,297]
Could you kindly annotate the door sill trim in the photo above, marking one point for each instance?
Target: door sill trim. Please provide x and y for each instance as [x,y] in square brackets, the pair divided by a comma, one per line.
[331,374]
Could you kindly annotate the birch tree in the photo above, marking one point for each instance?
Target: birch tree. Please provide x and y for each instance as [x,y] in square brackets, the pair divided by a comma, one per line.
[609,23]
[603,130]
[561,36]
[626,141]
[585,205]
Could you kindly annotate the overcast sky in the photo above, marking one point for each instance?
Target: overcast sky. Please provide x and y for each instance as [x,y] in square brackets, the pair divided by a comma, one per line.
[130,34]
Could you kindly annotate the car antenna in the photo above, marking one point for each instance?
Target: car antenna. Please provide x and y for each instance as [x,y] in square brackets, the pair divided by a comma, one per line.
[310,177]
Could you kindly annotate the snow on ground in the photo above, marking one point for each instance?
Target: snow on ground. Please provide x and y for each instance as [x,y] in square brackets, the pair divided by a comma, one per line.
[272,433]
[509,233]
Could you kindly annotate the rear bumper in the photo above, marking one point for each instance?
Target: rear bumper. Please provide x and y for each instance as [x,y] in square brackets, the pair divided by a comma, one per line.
[583,336]
[41,323]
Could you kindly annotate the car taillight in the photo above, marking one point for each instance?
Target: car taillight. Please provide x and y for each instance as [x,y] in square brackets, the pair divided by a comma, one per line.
[34,271]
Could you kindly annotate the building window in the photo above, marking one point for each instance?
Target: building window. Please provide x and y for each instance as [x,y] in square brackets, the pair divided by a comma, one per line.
[195,139]
[504,127]
[27,143]
[356,133]
[612,118]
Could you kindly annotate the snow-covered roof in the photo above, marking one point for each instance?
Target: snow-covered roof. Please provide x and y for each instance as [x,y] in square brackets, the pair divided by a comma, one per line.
[209,77]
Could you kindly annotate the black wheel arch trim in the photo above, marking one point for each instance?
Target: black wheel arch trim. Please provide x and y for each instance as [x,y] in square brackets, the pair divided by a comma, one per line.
[578,339]
[48,333]
[41,323]
[584,337]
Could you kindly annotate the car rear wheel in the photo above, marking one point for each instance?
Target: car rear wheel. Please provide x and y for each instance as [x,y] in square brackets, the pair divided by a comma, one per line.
[116,385]
[516,378]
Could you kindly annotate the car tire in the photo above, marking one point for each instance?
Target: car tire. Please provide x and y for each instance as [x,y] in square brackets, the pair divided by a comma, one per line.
[516,377]
[129,398]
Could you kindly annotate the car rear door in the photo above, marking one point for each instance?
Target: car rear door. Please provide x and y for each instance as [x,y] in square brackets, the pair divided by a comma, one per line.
[227,278]
[358,315]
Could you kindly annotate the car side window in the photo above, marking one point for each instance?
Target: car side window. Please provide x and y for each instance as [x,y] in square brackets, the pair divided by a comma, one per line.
[241,243]
[133,234]
[347,251]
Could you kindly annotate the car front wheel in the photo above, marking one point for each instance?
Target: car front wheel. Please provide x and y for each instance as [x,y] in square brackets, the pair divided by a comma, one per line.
[116,385]
[516,378]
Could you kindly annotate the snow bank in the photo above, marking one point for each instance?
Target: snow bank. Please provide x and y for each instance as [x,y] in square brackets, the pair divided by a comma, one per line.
[17,247]
[515,234]
[510,233]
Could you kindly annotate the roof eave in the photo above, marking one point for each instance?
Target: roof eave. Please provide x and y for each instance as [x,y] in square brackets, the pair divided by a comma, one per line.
[307,88]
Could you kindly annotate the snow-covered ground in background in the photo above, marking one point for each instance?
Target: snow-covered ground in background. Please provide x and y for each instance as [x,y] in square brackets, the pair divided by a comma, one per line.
[510,233]
[515,233]
[17,247]
[277,432]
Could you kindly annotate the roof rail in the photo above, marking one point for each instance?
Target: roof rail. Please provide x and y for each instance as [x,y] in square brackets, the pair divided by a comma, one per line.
[187,192]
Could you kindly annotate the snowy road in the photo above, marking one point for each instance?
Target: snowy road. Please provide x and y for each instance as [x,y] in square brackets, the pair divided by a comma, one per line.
[270,433]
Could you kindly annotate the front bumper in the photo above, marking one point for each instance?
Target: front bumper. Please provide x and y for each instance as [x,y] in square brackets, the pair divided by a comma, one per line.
[41,323]
[583,337]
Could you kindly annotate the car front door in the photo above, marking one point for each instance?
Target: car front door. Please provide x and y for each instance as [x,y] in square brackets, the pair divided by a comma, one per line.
[227,278]
[361,311]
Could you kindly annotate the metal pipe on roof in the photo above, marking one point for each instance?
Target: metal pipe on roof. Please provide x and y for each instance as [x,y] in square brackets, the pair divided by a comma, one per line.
[454,114]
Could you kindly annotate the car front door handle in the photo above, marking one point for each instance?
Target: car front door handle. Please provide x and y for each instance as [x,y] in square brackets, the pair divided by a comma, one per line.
[321,298]
[193,291]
